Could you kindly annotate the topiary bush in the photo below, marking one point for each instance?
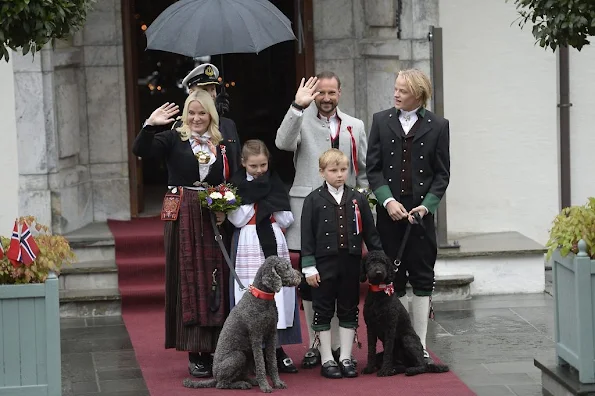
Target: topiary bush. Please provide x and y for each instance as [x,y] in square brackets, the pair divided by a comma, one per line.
[30,24]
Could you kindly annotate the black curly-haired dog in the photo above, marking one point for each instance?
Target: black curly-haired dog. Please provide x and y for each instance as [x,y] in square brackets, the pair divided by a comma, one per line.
[252,323]
[387,320]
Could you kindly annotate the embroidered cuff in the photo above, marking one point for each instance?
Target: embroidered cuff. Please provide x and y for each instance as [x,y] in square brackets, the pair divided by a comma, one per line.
[383,193]
[308,261]
[431,202]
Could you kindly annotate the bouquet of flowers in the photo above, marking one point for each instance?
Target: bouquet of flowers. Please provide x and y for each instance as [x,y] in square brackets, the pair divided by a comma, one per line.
[222,198]
[372,201]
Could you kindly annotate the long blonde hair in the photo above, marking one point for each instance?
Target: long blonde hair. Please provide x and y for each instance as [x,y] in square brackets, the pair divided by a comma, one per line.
[418,83]
[204,98]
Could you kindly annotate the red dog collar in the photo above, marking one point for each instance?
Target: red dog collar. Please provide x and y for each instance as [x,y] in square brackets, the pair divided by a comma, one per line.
[261,294]
[388,289]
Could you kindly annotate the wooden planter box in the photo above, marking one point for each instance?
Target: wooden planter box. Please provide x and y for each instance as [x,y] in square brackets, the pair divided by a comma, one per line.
[574,311]
[30,363]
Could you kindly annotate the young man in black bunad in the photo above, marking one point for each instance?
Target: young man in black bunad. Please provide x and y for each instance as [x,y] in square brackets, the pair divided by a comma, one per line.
[408,170]
[336,220]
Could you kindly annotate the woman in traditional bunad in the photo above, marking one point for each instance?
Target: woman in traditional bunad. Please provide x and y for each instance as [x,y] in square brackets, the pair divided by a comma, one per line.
[265,211]
[196,286]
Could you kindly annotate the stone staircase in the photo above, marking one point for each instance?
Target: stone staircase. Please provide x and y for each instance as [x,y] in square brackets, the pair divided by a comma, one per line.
[90,286]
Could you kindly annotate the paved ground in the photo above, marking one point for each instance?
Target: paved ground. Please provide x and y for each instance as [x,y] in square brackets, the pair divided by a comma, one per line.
[489,342]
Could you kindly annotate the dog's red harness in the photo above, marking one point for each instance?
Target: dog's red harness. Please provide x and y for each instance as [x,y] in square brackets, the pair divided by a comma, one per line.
[388,289]
[261,294]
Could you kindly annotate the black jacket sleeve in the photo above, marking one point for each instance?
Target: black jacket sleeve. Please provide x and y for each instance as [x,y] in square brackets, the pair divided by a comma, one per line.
[308,233]
[371,236]
[149,144]
[376,179]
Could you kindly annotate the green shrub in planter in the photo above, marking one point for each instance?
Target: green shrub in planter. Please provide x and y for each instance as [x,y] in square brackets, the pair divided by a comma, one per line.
[30,24]
[570,226]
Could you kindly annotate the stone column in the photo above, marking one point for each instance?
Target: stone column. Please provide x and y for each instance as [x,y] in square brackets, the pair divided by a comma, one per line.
[70,118]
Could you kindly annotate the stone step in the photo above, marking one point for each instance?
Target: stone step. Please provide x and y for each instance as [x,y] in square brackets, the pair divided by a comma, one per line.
[450,288]
[89,303]
[90,275]
[93,242]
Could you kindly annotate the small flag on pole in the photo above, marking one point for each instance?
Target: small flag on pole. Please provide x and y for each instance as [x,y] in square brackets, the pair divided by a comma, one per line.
[29,248]
[14,250]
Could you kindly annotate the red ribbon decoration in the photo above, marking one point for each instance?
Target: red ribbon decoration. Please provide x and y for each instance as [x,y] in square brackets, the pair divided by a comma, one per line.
[225,162]
[358,218]
[353,151]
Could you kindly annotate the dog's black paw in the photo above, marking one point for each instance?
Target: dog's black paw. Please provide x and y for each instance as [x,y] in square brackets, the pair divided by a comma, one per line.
[387,372]
[369,370]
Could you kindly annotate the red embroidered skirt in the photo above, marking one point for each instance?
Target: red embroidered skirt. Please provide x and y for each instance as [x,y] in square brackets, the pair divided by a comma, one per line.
[192,254]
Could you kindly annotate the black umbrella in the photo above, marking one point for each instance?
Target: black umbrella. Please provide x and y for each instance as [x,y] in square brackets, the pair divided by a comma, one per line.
[208,27]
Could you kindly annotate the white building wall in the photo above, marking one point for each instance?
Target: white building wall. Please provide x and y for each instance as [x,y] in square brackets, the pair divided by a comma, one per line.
[500,97]
[582,123]
[8,151]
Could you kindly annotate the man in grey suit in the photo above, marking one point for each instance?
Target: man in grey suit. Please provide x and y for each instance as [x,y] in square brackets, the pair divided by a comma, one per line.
[312,125]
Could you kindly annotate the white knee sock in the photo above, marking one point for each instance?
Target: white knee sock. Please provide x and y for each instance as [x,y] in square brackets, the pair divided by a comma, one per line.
[309,314]
[325,346]
[420,305]
[405,301]
[347,336]
[335,333]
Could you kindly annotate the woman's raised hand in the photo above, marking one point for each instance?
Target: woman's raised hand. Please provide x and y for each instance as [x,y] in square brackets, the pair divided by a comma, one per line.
[164,115]
[306,92]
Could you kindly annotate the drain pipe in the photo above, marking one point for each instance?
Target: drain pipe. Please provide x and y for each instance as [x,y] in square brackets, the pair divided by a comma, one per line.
[564,105]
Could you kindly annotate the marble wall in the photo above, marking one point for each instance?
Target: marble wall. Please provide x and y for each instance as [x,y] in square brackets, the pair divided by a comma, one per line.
[358,40]
[71,126]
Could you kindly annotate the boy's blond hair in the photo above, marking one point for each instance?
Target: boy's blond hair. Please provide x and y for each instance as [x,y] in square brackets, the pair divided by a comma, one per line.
[418,83]
[332,157]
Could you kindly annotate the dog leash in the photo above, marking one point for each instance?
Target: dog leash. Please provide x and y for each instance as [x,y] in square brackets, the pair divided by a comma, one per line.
[397,261]
[219,240]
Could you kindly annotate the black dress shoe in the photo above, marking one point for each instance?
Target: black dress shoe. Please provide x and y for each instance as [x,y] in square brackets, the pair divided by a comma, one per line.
[331,370]
[311,358]
[200,370]
[337,355]
[286,365]
[348,369]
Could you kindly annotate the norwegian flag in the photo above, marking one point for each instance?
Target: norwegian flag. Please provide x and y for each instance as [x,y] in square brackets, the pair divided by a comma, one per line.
[358,218]
[14,250]
[29,248]
[1,252]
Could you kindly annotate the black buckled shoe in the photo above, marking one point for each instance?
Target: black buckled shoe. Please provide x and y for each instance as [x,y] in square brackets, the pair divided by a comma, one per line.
[348,368]
[311,358]
[331,370]
[337,355]
[285,364]
[200,370]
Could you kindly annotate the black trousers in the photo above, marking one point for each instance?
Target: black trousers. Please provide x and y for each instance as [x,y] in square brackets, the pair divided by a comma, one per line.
[339,288]
[419,256]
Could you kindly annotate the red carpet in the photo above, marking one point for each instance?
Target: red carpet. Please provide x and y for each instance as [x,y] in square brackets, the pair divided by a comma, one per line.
[139,255]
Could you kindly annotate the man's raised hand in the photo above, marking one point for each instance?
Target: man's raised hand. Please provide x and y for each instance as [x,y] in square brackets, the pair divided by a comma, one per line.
[306,92]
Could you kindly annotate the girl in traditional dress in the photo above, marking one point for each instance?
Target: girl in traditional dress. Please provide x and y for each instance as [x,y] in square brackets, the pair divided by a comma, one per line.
[265,211]
[195,156]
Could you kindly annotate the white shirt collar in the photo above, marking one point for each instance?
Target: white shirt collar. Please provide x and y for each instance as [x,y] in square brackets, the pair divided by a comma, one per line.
[404,113]
[334,190]
[207,134]
[334,117]
[249,177]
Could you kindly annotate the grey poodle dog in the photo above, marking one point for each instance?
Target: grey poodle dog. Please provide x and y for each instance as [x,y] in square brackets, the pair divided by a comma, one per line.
[388,320]
[251,324]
